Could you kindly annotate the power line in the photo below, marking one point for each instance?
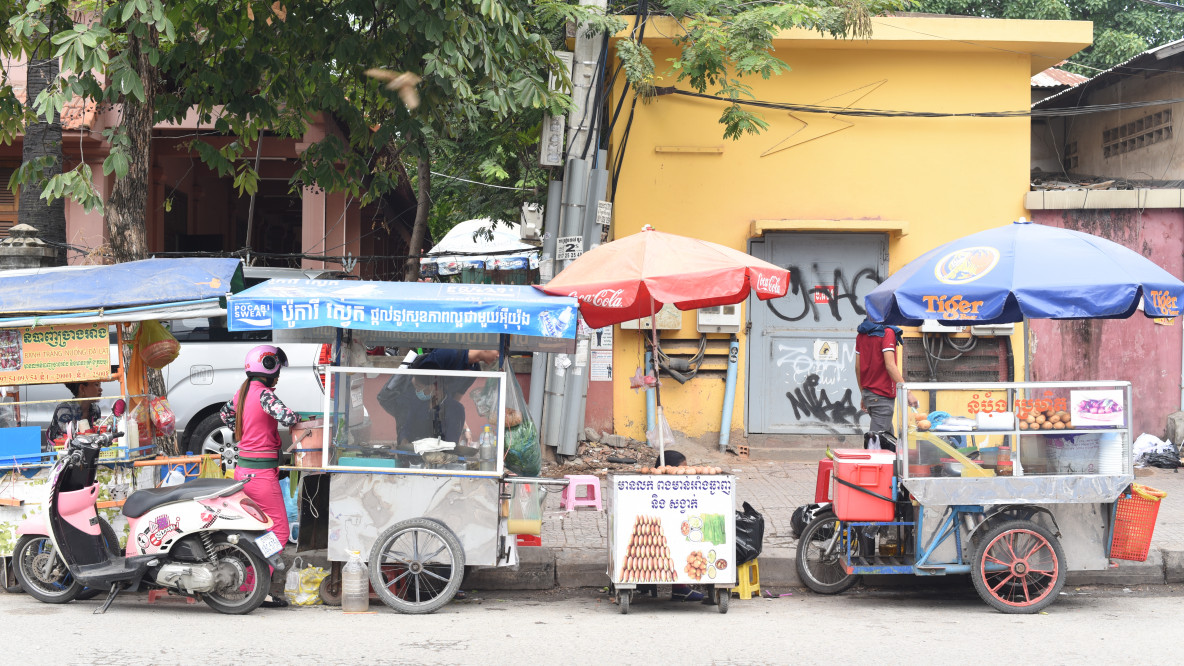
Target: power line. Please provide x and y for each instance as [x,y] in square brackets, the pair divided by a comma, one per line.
[886,113]
[474,182]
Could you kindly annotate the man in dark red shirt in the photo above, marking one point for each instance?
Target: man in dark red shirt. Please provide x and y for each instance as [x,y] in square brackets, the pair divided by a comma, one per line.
[878,373]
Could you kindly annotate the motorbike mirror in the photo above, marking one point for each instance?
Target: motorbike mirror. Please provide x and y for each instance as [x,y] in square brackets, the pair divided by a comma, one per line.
[119,408]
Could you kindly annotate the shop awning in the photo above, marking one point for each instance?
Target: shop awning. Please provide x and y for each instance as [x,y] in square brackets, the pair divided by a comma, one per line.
[94,290]
[417,313]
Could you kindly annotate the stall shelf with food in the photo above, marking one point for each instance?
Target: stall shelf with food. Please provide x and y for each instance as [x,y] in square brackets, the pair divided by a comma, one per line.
[91,336]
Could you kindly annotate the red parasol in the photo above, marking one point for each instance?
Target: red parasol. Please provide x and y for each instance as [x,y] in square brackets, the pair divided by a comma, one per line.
[633,277]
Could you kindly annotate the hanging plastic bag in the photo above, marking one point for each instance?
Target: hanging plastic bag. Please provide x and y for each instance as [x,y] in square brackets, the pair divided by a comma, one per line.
[750,534]
[163,418]
[290,507]
[158,347]
[651,435]
[209,468]
[524,455]
[143,430]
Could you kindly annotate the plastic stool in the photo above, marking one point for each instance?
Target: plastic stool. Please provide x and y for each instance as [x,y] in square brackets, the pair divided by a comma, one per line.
[571,498]
[529,540]
[748,580]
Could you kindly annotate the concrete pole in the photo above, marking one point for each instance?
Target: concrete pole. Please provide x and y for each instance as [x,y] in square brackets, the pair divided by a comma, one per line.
[540,367]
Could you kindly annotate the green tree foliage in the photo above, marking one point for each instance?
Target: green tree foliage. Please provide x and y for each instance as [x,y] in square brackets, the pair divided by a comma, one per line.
[249,66]
[723,43]
[1122,28]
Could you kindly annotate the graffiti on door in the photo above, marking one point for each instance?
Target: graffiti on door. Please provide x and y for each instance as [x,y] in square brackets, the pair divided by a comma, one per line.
[798,364]
[812,403]
[812,293]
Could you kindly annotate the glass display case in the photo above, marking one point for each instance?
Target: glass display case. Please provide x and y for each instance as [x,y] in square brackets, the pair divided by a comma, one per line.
[1076,436]
[411,421]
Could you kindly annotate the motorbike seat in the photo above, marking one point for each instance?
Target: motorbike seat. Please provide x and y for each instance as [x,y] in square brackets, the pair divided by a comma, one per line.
[143,501]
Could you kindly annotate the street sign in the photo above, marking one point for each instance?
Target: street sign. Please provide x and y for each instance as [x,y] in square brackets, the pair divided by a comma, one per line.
[569,247]
[604,213]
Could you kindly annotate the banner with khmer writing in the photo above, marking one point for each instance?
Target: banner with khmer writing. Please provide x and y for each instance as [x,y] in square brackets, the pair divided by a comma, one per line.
[51,354]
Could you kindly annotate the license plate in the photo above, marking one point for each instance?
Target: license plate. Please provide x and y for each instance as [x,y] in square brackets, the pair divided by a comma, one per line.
[268,544]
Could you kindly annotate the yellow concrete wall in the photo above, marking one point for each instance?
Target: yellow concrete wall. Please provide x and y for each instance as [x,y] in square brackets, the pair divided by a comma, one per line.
[945,177]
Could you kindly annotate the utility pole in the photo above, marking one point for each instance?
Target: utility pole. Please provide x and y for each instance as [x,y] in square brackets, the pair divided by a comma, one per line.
[561,421]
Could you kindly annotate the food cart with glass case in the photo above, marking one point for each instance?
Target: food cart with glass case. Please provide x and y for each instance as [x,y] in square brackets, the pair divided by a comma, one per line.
[418,506]
[1015,483]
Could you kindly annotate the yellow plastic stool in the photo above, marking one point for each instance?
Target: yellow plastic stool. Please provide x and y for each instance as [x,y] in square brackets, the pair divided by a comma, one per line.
[748,579]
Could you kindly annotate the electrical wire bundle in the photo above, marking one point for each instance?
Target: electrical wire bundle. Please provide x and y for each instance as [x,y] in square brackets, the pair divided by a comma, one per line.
[682,370]
[933,350]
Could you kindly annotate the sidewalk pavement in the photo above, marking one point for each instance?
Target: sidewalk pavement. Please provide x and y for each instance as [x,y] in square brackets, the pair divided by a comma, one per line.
[574,550]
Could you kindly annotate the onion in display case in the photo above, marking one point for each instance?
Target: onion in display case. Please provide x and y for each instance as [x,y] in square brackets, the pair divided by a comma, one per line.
[1097,408]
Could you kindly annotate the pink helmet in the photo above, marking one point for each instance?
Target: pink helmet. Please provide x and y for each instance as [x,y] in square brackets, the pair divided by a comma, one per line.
[265,361]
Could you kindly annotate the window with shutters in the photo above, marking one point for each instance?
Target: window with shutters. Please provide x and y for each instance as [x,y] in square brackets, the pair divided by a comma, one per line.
[9,200]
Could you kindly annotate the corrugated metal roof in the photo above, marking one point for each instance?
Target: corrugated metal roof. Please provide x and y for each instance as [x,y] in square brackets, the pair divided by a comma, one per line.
[1143,61]
[1055,78]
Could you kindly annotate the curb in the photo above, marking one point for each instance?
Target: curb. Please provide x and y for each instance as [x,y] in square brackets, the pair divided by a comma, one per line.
[545,568]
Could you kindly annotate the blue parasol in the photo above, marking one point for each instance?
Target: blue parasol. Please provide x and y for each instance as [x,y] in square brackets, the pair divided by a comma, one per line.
[1025,270]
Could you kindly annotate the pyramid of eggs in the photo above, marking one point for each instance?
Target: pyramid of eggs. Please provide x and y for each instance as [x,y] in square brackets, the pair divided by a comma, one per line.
[647,559]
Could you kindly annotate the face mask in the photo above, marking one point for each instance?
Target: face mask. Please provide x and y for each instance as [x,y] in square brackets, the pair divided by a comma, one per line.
[423,396]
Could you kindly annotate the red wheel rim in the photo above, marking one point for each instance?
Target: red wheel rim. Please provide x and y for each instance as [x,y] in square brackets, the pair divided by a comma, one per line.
[1019,567]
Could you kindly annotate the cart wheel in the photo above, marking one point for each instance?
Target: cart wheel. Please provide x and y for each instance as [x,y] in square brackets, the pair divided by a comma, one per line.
[722,596]
[417,565]
[820,561]
[623,600]
[1019,567]
[330,590]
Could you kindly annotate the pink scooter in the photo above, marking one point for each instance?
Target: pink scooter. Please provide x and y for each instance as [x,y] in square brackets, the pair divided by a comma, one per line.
[204,538]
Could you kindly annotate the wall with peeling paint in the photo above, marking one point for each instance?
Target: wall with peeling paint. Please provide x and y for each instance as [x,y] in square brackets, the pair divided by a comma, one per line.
[1137,350]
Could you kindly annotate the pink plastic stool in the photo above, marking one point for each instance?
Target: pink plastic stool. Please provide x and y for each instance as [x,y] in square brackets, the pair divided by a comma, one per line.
[571,499]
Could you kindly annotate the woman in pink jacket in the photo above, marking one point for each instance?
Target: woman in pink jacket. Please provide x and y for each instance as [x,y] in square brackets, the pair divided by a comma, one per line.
[255,414]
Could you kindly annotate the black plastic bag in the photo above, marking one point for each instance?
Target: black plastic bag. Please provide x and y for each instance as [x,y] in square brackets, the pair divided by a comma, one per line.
[803,515]
[750,534]
[879,441]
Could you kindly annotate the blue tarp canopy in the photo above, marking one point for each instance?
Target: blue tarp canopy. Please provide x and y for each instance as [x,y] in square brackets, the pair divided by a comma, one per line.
[1023,270]
[430,314]
[83,290]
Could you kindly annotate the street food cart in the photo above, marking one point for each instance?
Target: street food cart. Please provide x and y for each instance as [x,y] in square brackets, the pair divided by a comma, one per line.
[81,324]
[416,504]
[1014,483]
[988,491]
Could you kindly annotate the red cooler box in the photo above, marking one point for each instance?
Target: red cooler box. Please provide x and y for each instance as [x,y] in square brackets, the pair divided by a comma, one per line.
[870,470]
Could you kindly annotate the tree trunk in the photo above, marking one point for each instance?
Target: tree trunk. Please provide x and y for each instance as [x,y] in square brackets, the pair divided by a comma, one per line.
[127,207]
[423,204]
[43,139]
[126,213]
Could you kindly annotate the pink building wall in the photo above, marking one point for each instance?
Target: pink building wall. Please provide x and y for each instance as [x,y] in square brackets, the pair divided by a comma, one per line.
[1137,350]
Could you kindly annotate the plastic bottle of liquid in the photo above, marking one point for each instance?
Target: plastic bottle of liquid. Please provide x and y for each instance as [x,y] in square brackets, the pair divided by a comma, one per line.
[355,585]
[488,449]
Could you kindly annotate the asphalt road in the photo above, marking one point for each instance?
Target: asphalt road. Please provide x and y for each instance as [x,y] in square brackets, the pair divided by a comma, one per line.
[940,625]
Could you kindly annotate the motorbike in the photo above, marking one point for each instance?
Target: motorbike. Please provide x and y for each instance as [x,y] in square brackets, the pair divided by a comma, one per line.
[204,538]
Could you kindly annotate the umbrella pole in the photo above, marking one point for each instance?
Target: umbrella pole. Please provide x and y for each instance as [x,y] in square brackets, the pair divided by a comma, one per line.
[659,418]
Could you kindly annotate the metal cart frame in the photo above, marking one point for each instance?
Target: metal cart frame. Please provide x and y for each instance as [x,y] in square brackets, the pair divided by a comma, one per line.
[1044,524]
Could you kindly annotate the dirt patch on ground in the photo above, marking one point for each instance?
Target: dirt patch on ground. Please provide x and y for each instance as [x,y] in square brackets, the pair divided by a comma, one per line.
[592,458]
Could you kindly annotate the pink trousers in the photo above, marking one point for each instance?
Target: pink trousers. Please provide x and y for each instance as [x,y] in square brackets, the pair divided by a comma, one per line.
[265,490]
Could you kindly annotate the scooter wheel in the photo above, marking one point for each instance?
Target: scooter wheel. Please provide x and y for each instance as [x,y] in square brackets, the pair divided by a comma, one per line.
[33,553]
[252,581]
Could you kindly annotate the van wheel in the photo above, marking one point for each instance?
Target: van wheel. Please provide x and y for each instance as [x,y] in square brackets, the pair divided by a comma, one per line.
[212,436]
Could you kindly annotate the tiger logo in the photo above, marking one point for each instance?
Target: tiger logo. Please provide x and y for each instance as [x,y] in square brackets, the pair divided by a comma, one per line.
[966,265]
